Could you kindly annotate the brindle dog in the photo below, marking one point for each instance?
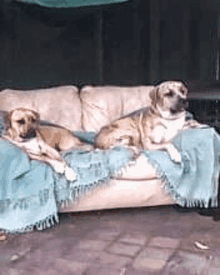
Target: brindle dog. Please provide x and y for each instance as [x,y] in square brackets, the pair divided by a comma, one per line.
[150,128]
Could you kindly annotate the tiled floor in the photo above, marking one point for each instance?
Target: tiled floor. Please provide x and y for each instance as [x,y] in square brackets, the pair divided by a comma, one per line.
[117,242]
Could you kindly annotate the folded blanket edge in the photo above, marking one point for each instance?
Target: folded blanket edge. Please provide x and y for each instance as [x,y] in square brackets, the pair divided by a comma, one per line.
[76,193]
[184,202]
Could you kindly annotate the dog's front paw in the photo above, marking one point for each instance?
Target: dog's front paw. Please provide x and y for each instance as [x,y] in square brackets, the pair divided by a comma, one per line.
[174,154]
[70,174]
[58,166]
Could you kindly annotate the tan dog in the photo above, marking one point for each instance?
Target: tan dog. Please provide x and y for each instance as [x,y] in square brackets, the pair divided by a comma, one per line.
[150,128]
[41,142]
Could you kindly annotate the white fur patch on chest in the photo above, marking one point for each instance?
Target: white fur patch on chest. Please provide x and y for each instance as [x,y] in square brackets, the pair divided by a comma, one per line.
[32,146]
[167,129]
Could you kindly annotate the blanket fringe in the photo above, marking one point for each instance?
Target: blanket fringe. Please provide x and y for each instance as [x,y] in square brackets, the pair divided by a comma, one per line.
[40,225]
[47,222]
[76,193]
[169,189]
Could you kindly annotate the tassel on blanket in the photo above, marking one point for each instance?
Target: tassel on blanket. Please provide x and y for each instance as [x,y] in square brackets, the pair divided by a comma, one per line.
[41,225]
[47,222]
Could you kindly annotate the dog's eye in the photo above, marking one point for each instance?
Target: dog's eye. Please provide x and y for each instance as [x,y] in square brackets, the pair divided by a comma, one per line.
[21,121]
[170,93]
[182,91]
[33,119]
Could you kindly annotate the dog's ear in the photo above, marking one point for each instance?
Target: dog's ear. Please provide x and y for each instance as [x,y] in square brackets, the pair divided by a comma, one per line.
[7,119]
[154,96]
[37,115]
[185,89]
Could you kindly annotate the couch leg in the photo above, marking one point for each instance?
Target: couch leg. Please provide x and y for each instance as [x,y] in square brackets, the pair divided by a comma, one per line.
[216,216]
[214,213]
[211,212]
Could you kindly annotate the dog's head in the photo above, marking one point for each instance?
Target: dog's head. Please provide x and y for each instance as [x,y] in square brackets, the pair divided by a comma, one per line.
[21,124]
[170,99]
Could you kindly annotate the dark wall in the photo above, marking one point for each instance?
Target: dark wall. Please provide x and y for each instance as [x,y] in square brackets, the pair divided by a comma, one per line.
[126,44]
[45,47]
[185,42]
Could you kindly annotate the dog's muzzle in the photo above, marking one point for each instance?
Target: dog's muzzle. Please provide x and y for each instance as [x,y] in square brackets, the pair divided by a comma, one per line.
[183,102]
[181,105]
[31,133]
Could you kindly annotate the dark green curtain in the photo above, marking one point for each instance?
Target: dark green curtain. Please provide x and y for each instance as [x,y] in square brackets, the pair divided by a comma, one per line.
[70,3]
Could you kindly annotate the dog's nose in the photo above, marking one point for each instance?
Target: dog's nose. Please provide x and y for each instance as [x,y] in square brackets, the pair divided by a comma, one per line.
[183,102]
[31,133]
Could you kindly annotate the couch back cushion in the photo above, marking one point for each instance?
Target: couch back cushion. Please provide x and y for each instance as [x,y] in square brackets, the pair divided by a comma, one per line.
[59,105]
[103,104]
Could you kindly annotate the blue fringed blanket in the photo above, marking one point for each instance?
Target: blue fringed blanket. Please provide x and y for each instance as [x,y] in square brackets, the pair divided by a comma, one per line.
[30,192]
[193,182]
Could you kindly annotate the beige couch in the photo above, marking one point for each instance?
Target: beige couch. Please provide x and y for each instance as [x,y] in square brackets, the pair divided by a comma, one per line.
[89,110]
